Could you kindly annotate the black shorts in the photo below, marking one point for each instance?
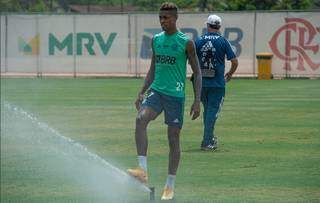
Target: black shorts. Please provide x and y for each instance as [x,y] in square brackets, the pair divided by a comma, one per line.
[173,107]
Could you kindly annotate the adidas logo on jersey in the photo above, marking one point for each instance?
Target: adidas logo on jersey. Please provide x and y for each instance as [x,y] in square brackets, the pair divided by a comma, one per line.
[208,47]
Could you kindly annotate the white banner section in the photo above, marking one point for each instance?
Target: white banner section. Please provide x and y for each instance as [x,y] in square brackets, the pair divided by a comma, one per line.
[120,44]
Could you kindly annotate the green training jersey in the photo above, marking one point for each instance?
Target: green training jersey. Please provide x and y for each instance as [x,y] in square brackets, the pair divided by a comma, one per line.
[170,63]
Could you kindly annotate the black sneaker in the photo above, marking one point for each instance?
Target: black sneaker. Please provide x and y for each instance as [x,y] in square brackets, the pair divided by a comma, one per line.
[210,147]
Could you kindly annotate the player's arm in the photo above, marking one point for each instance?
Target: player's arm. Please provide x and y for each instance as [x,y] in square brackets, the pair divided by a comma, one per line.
[234,66]
[194,63]
[148,80]
[234,61]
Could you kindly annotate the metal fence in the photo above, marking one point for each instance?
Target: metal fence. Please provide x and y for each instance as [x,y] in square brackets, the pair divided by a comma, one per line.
[120,44]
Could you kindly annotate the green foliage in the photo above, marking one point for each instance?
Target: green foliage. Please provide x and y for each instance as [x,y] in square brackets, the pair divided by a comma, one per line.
[211,5]
[236,5]
[147,5]
[24,6]
[316,4]
[250,4]
[40,6]
[10,5]
[94,2]
[293,5]
[184,5]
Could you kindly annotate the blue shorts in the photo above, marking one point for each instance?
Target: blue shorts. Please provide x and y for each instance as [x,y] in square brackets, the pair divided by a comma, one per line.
[173,107]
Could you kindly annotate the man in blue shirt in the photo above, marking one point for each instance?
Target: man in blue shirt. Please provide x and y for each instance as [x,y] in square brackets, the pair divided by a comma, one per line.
[212,49]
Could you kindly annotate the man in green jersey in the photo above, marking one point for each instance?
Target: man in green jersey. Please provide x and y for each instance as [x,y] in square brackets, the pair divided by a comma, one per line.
[165,82]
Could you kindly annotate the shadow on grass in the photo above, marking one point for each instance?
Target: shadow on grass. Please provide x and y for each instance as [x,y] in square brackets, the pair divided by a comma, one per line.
[198,150]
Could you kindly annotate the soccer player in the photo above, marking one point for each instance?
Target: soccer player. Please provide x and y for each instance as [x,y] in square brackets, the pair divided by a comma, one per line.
[212,49]
[165,82]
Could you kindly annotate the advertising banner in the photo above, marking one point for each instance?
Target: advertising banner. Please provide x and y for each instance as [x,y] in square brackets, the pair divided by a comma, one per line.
[236,27]
[57,39]
[102,44]
[23,44]
[294,41]
[68,44]
[120,44]
[2,43]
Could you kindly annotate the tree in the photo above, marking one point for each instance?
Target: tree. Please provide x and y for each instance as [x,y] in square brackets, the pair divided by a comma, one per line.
[24,6]
[153,5]
[316,4]
[238,5]
[10,6]
[293,4]
[211,5]
[147,5]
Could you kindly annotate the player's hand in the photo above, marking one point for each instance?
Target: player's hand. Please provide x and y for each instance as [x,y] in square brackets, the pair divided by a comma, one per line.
[139,101]
[195,110]
[227,77]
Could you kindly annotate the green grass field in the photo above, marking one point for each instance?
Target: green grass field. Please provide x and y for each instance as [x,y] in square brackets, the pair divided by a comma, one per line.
[269,140]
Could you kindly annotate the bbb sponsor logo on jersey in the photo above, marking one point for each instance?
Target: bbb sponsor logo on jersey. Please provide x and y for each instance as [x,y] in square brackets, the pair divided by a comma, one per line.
[165,59]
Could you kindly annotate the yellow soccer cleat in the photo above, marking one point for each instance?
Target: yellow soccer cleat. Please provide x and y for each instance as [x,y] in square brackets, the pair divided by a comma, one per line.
[139,174]
[167,194]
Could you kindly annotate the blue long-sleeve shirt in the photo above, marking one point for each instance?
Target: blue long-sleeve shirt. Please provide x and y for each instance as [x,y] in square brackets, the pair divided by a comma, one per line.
[212,49]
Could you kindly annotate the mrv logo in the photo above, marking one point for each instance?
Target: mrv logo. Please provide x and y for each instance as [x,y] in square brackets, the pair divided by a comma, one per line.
[31,47]
[146,51]
[83,40]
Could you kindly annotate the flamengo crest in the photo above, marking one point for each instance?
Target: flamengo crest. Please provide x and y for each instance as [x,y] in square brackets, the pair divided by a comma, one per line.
[298,50]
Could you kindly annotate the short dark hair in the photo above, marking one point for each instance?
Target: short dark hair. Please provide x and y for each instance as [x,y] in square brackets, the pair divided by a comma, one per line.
[170,7]
[217,27]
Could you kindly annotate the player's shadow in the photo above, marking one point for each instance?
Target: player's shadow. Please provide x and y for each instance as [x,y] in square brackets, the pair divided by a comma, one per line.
[192,150]
[198,150]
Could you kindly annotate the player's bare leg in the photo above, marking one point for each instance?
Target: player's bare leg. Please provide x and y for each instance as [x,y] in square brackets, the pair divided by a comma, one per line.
[145,115]
[174,158]
[174,146]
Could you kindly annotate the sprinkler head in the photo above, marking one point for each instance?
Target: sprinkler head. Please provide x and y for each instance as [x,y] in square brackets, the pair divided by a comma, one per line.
[152,193]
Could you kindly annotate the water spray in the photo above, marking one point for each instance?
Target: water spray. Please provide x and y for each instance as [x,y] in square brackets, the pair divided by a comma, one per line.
[93,171]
